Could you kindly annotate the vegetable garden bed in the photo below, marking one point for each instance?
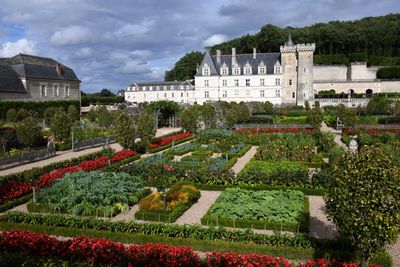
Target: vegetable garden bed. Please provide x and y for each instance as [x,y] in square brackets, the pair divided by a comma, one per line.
[273,210]
[179,198]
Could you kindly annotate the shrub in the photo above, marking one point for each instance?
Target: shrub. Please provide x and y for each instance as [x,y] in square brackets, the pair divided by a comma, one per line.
[388,73]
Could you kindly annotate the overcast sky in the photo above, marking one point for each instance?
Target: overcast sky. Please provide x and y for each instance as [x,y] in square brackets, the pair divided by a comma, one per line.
[111,43]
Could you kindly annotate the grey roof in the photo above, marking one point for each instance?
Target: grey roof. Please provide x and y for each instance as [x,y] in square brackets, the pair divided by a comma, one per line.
[269,59]
[38,67]
[160,83]
[9,80]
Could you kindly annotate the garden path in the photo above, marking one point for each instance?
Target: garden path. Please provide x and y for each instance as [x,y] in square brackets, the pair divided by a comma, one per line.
[178,158]
[60,156]
[320,226]
[394,251]
[336,133]
[241,162]
[200,208]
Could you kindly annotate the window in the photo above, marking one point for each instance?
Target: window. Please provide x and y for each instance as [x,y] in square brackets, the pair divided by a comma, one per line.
[236,71]
[247,92]
[262,93]
[290,82]
[206,83]
[158,87]
[150,88]
[236,82]
[206,94]
[172,94]
[247,82]
[278,93]
[236,92]
[224,71]
[172,87]
[66,91]
[293,95]
[165,94]
[55,91]
[277,81]
[262,82]
[182,87]
[144,88]
[206,71]
[43,91]
[165,87]
[224,94]
[277,70]
[144,95]
[224,83]
[247,70]
[181,94]
[158,95]
[261,70]
[187,94]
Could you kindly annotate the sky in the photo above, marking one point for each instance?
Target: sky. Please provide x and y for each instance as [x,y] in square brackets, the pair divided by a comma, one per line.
[110,44]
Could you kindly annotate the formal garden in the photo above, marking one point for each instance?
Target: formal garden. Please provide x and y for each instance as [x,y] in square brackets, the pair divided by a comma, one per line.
[235,194]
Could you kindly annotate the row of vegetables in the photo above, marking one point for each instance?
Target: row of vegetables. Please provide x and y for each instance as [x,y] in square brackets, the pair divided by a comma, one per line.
[102,251]
[15,190]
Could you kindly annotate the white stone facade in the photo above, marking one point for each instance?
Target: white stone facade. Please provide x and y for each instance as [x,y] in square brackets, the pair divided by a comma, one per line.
[177,91]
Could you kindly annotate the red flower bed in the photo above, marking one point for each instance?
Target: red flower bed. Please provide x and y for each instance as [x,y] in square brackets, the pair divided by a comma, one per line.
[14,190]
[167,140]
[275,130]
[95,164]
[382,131]
[103,251]
[47,178]
[123,154]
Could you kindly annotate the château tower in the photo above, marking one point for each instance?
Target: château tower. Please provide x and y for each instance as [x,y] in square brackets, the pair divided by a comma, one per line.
[297,72]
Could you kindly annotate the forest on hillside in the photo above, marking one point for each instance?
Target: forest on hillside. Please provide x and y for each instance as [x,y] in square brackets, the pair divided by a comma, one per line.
[375,40]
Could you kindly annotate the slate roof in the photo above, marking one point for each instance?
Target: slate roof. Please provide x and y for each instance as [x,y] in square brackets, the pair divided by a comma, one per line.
[38,67]
[159,83]
[9,80]
[269,60]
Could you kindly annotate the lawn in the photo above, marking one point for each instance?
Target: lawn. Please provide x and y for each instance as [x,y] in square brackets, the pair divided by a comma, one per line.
[268,209]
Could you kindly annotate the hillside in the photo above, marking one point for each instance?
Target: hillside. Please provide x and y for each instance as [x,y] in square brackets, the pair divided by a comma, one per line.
[372,39]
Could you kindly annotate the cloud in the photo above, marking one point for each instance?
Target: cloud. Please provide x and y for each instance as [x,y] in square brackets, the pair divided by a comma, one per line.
[10,49]
[84,52]
[134,29]
[71,35]
[214,39]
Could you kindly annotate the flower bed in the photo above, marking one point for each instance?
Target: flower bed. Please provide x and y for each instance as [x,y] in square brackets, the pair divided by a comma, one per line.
[168,140]
[274,210]
[178,199]
[285,173]
[99,251]
[16,190]
[274,130]
[90,194]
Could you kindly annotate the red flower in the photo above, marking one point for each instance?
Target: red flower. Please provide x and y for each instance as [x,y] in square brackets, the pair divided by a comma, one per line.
[167,140]
[275,130]
[14,190]
[123,154]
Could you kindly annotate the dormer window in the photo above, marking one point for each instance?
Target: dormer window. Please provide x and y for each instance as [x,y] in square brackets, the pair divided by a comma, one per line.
[224,71]
[247,70]
[277,69]
[236,71]
[206,71]
[261,70]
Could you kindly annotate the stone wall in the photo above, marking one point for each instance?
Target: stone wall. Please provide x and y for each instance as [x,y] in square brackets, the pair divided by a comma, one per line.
[345,86]
[360,71]
[390,86]
[324,73]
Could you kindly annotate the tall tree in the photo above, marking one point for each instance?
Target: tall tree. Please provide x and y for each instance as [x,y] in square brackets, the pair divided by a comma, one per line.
[363,200]
[125,130]
[185,68]
[28,132]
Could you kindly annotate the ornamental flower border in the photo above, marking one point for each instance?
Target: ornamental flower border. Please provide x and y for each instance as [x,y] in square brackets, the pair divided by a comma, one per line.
[274,130]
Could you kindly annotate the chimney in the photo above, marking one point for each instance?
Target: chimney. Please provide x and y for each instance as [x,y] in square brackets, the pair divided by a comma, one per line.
[58,69]
[254,53]
[234,62]
[219,56]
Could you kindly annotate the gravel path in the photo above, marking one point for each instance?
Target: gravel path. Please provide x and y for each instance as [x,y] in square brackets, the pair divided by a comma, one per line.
[336,133]
[394,251]
[20,208]
[200,208]
[241,162]
[178,158]
[320,226]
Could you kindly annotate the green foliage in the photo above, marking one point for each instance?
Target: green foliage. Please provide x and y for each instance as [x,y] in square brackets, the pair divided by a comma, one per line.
[93,99]
[363,200]
[347,115]
[379,105]
[145,127]
[60,125]
[273,208]
[315,118]
[91,194]
[22,114]
[388,73]
[12,115]
[189,119]
[28,131]
[37,107]
[124,130]
[185,68]
[234,113]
